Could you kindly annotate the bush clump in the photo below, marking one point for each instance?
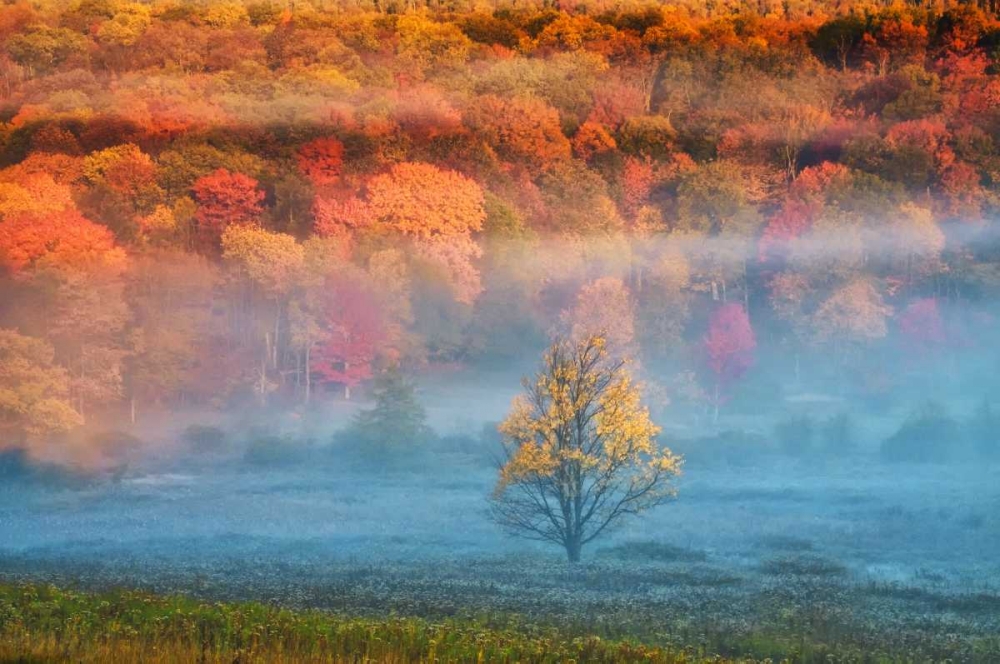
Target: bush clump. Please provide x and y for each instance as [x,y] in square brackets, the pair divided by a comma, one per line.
[982,431]
[651,551]
[803,565]
[733,447]
[837,435]
[927,436]
[795,436]
[269,449]
[204,438]
[16,467]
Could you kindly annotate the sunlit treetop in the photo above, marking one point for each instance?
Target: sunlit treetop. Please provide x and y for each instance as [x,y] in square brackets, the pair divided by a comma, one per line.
[425,201]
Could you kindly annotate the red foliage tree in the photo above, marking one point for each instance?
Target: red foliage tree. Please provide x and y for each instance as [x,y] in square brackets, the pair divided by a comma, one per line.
[592,139]
[794,219]
[729,347]
[963,193]
[805,201]
[354,329]
[321,160]
[61,240]
[339,218]
[225,198]
[519,129]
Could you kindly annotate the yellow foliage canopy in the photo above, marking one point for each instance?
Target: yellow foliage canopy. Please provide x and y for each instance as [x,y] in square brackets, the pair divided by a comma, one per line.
[581,450]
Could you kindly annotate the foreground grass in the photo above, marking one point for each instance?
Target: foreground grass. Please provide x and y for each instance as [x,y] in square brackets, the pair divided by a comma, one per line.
[43,623]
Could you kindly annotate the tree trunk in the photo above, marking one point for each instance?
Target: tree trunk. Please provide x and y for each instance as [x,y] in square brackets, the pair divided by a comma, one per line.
[277,324]
[746,289]
[308,374]
[263,368]
[573,547]
[715,413]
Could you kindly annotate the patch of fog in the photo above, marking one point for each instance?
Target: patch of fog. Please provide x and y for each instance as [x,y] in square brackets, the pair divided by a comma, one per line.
[881,522]
[160,479]
[889,573]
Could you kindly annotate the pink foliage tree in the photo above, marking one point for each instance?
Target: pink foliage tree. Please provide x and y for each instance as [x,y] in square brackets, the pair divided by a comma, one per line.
[922,328]
[354,330]
[729,348]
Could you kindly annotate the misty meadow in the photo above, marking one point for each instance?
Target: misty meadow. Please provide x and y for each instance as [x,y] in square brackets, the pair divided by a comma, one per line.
[386,331]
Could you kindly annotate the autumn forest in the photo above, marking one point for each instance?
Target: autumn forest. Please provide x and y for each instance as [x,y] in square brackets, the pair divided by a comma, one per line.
[272,273]
[229,204]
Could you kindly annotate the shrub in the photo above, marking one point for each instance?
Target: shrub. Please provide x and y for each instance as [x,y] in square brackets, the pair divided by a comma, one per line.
[982,431]
[837,434]
[461,444]
[733,447]
[786,543]
[795,436]
[802,565]
[17,468]
[647,550]
[115,440]
[14,466]
[204,438]
[268,449]
[927,436]
[116,448]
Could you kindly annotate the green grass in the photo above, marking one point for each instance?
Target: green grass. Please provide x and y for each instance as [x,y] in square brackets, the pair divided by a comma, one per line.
[43,623]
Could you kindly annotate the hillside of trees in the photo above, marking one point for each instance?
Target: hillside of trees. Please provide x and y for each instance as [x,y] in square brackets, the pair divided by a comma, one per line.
[225,203]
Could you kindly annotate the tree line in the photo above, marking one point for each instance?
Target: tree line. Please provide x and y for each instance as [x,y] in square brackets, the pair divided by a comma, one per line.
[216,203]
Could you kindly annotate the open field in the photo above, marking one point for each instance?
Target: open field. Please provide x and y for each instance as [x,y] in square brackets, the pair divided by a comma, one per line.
[779,559]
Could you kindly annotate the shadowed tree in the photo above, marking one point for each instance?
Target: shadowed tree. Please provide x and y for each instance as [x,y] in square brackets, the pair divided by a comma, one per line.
[580,451]
[396,420]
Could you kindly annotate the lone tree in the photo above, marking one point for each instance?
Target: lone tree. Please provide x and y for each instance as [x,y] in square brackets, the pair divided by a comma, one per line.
[397,420]
[580,451]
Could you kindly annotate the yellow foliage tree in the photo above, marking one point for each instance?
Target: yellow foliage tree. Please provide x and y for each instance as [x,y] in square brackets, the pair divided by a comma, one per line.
[127,25]
[226,15]
[580,450]
[854,314]
[270,264]
[605,307]
[33,391]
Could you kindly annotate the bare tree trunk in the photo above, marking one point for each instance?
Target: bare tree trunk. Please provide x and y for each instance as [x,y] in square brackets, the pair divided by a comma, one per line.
[277,322]
[746,289]
[308,374]
[573,548]
[715,412]
[263,367]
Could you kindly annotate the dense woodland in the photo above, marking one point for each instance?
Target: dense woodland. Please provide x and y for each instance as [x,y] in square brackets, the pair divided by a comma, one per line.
[219,204]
